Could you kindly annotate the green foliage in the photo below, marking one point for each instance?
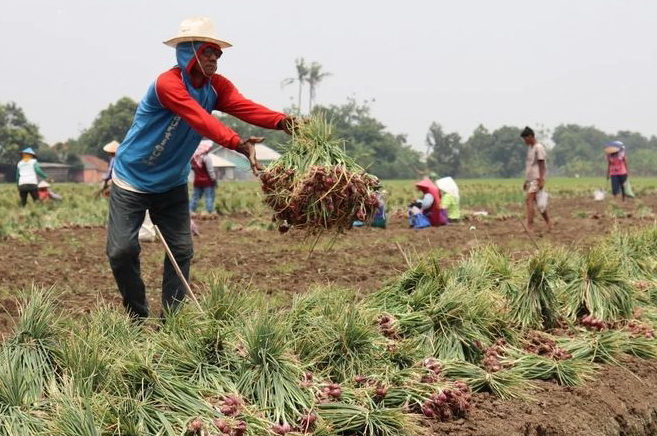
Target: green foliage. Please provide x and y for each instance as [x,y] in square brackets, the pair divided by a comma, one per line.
[268,376]
[577,152]
[639,346]
[575,143]
[16,133]
[302,70]
[101,374]
[496,154]
[22,377]
[334,335]
[443,151]
[315,76]
[535,305]
[47,154]
[37,319]
[73,415]
[600,288]
[569,372]
[506,383]
[636,251]
[600,347]
[352,419]
[111,124]
[382,153]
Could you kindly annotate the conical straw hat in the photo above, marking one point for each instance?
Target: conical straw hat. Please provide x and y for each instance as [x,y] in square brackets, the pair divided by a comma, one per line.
[111,147]
[610,149]
[197,29]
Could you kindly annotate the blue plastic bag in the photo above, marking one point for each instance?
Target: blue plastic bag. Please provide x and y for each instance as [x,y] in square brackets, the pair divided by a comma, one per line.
[419,221]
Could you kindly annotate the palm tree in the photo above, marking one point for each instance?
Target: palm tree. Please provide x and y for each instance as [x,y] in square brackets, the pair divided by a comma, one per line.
[302,74]
[314,76]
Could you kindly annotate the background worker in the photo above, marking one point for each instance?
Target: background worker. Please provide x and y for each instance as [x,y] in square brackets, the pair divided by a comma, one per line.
[109,148]
[205,178]
[617,170]
[43,193]
[429,204]
[450,199]
[28,172]
[535,173]
[152,163]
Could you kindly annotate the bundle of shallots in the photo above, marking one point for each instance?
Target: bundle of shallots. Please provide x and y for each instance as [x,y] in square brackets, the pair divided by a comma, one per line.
[315,185]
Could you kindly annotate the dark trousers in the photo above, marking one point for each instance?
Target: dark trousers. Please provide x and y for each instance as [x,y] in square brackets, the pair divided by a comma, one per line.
[170,212]
[31,189]
[618,184]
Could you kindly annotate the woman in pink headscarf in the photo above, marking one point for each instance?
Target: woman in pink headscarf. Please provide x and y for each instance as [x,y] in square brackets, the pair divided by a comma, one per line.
[205,179]
[429,205]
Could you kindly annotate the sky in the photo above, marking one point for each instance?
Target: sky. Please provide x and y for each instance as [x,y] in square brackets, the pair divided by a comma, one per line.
[457,63]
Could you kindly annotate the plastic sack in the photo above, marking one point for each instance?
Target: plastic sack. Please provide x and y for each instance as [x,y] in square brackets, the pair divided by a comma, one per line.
[599,195]
[379,222]
[627,188]
[419,221]
[542,200]
[147,230]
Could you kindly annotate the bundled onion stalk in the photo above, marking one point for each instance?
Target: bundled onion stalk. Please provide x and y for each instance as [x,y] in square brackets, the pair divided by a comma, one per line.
[315,185]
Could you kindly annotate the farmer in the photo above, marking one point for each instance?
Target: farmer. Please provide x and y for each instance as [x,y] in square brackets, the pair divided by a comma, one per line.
[153,161]
[449,199]
[146,231]
[28,172]
[205,178]
[109,148]
[535,173]
[379,219]
[617,169]
[428,205]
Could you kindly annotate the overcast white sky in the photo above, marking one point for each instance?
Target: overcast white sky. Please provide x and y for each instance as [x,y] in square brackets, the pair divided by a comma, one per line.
[460,63]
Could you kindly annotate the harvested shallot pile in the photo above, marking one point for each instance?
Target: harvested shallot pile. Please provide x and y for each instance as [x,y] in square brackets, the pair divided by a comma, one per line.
[315,185]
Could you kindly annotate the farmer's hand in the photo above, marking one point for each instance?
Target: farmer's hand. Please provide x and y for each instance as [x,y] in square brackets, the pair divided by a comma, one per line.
[290,124]
[541,183]
[247,148]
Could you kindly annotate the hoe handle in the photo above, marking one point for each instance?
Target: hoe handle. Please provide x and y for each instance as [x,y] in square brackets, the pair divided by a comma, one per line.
[176,267]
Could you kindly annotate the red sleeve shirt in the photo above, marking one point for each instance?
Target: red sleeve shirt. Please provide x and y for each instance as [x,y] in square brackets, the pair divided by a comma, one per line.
[173,95]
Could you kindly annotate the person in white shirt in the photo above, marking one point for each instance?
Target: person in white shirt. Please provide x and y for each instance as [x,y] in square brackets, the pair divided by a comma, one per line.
[28,172]
[535,173]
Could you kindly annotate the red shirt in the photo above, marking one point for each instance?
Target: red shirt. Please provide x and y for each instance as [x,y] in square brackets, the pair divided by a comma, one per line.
[617,165]
[202,178]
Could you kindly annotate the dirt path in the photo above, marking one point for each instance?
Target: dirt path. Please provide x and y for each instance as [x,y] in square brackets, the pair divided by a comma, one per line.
[622,400]
[74,262]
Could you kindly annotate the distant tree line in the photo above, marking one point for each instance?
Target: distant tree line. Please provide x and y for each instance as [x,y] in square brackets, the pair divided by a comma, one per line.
[576,150]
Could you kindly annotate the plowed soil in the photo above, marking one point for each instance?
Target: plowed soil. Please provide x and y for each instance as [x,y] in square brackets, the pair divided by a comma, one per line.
[622,401]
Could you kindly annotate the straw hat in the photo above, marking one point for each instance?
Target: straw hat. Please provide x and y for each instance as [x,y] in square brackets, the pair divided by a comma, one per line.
[111,147]
[43,184]
[614,147]
[197,29]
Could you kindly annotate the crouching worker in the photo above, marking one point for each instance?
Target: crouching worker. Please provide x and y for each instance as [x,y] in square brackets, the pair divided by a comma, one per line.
[379,219]
[449,199]
[45,193]
[426,209]
[153,161]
